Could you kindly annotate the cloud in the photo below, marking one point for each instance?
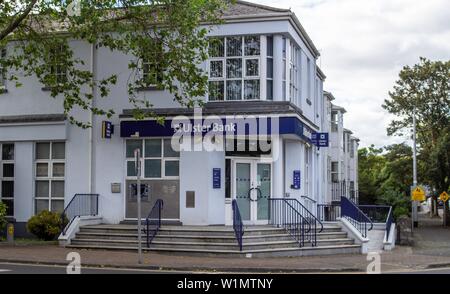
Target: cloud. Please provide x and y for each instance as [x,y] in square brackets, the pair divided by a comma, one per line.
[364,44]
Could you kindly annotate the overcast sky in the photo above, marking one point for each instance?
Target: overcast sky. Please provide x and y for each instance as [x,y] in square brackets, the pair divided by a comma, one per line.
[364,44]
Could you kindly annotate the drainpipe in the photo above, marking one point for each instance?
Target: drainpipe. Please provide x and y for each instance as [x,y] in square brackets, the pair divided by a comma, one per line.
[91,122]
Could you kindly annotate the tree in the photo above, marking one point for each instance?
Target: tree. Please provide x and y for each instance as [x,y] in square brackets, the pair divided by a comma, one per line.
[424,90]
[165,33]
[370,164]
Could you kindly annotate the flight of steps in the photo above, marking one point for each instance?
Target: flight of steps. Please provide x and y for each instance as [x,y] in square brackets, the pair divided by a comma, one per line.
[258,241]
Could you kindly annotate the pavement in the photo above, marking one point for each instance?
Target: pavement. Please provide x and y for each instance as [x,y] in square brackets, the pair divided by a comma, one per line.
[430,252]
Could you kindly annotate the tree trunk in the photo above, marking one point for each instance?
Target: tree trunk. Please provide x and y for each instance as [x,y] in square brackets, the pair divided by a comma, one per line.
[435,207]
[446,216]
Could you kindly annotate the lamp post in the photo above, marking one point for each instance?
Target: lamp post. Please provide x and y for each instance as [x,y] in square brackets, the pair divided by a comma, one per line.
[137,154]
[415,221]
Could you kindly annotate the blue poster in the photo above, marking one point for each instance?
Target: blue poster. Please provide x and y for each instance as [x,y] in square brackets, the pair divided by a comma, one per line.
[216,178]
[296,180]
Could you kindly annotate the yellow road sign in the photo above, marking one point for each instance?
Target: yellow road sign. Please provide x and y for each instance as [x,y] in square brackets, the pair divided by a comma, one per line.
[418,194]
[444,196]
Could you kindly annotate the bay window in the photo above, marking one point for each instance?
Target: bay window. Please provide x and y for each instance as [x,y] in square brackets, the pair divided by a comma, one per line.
[234,68]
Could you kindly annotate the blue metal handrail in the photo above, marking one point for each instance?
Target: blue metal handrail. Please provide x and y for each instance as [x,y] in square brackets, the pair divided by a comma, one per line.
[379,214]
[389,221]
[355,216]
[238,225]
[283,214]
[376,213]
[79,205]
[153,221]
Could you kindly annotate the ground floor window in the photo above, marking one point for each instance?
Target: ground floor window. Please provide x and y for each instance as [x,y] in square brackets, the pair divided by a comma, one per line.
[49,176]
[158,158]
[7,177]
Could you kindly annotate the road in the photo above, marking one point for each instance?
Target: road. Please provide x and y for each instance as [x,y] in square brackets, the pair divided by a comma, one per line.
[14,268]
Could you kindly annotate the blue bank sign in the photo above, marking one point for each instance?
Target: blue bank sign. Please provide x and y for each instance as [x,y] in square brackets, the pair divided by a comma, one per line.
[224,126]
[320,139]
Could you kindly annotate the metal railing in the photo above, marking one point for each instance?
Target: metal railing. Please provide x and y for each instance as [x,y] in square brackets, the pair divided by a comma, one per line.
[79,205]
[153,221]
[356,216]
[284,215]
[376,213]
[389,221]
[379,214]
[338,190]
[238,225]
[328,212]
[316,224]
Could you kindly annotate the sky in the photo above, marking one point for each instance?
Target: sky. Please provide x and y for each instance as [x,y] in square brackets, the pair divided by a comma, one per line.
[364,44]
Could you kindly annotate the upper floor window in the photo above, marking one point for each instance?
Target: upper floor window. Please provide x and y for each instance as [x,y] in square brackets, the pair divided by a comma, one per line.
[352,148]
[151,66]
[2,70]
[334,171]
[284,74]
[294,73]
[334,121]
[269,75]
[308,80]
[57,65]
[234,68]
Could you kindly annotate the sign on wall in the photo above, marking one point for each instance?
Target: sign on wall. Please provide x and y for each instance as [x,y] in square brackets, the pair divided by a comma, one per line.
[320,139]
[296,180]
[216,178]
[107,129]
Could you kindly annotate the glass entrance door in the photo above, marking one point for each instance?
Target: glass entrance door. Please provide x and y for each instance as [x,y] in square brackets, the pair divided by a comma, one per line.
[252,190]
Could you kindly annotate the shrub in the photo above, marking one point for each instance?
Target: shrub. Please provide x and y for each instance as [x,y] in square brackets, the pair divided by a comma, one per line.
[46,225]
[2,216]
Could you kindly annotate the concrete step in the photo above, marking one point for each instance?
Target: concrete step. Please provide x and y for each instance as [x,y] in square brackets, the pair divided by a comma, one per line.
[191,244]
[215,240]
[230,238]
[305,251]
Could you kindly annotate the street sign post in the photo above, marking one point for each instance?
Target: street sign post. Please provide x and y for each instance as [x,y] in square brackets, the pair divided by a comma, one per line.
[444,196]
[137,156]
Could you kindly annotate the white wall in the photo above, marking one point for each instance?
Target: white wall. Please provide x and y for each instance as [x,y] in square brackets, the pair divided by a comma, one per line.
[196,168]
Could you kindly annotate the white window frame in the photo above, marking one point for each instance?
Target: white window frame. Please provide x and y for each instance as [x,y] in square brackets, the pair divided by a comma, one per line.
[334,172]
[162,158]
[59,66]
[49,178]
[244,77]
[7,179]
[2,71]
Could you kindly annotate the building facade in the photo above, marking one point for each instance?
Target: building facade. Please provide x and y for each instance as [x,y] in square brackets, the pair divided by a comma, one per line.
[262,71]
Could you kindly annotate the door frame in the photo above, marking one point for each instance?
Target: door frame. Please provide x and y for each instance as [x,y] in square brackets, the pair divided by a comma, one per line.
[253,175]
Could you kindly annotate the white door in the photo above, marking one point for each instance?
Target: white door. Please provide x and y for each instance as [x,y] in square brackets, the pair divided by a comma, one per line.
[252,188]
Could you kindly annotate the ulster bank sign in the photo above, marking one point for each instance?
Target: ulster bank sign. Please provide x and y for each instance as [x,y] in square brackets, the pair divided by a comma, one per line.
[229,126]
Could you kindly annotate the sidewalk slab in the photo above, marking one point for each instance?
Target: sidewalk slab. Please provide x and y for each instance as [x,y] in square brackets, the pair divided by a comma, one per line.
[402,258]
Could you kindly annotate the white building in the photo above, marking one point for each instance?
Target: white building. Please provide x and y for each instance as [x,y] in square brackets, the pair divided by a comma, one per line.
[46,160]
